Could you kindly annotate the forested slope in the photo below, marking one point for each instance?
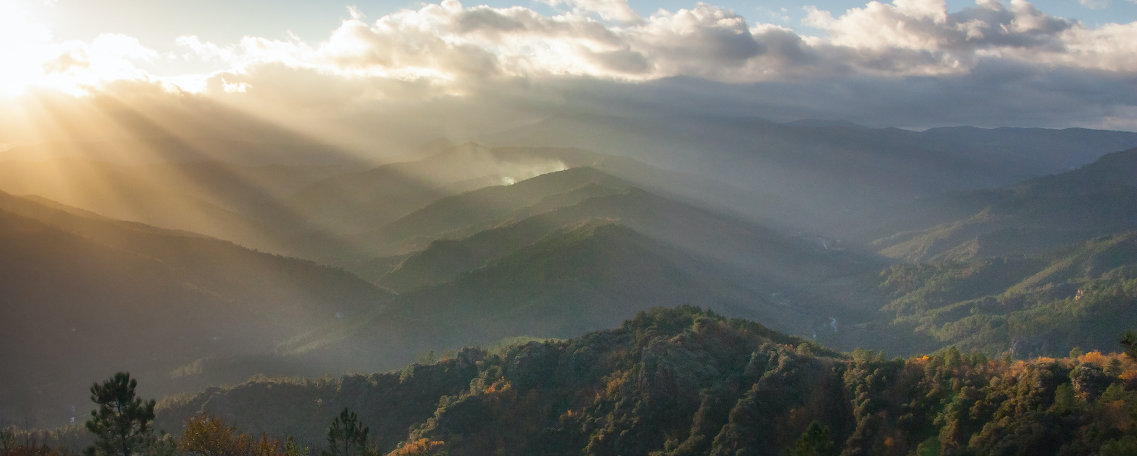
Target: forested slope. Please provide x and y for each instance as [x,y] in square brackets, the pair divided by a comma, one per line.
[684,381]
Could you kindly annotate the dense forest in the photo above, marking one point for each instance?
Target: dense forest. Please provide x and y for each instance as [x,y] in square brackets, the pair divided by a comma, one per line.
[670,381]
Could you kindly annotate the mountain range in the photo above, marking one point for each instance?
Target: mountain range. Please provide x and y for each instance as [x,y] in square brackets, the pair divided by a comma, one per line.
[195,271]
[1029,218]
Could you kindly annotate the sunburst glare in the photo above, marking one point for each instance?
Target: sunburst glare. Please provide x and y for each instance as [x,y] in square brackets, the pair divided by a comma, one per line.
[24,49]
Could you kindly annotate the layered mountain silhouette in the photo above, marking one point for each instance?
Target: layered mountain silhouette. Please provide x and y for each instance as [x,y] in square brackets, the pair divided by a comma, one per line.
[1030,218]
[190,270]
[598,251]
[82,292]
[825,177]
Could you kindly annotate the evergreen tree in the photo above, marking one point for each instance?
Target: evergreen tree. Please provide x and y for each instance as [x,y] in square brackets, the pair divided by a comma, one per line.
[815,441]
[1129,343]
[347,436]
[121,423]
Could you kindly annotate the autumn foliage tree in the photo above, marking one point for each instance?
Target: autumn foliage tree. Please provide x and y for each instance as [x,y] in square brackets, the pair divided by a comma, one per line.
[206,436]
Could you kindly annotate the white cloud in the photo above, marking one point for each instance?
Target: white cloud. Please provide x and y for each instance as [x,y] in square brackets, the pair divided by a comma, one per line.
[615,10]
[519,55]
[77,67]
[458,47]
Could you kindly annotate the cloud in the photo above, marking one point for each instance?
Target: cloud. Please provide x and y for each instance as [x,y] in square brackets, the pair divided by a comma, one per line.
[454,44]
[615,10]
[908,63]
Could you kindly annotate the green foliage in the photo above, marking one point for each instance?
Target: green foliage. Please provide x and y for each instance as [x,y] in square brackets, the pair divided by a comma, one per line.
[1022,307]
[347,436]
[1129,343]
[121,422]
[687,382]
[814,442]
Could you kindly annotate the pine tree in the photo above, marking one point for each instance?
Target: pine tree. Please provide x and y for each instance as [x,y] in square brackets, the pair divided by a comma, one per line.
[347,436]
[814,442]
[1129,343]
[121,423]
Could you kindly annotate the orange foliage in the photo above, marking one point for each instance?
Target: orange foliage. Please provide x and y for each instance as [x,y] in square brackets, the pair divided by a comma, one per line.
[500,386]
[418,447]
[615,383]
[1095,357]
[1016,368]
[207,436]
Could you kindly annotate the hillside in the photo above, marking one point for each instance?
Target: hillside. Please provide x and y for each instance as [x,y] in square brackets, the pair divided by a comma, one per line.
[445,259]
[235,202]
[831,179]
[461,215]
[683,381]
[353,203]
[1081,296]
[484,244]
[580,278]
[1033,217]
[82,292]
[591,195]
[583,267]
[459,190]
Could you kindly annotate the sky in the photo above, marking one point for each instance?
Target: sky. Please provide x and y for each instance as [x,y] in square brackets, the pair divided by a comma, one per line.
[332,66]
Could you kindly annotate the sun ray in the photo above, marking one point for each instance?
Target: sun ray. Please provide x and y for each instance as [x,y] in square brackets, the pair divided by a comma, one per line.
[22,51]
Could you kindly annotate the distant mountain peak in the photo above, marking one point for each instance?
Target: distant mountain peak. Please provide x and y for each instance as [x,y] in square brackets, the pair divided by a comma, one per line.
[826,123]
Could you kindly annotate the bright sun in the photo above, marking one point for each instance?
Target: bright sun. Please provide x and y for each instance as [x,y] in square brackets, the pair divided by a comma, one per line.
[31,59]
[23,48]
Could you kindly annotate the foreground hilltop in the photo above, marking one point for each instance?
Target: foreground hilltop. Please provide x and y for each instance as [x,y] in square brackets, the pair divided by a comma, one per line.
[685,381]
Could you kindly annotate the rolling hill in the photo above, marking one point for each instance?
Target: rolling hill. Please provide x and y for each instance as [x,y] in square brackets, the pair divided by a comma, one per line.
[357,202]
[580,278]
[581,266]
[478,244]
[1030,218]
[1081,296]
[235,202]
[384,210]
[685,382]
[588,194]
[821,177]
[83,292]
[462,215]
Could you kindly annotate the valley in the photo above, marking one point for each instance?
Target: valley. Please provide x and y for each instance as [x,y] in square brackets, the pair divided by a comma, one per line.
[471,245]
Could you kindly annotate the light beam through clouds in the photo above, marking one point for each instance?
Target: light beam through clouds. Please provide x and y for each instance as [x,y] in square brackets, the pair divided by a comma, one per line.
[911,63]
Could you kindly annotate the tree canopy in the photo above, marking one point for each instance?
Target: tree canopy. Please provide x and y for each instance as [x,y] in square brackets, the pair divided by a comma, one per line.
[121,421]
